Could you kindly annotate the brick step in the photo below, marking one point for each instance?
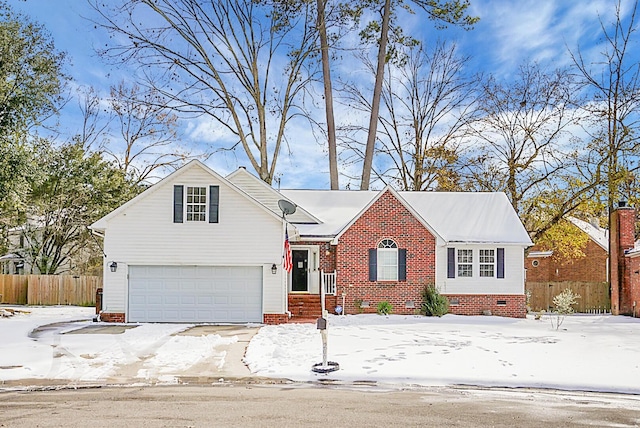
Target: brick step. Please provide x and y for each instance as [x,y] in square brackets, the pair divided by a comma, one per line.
[305,305]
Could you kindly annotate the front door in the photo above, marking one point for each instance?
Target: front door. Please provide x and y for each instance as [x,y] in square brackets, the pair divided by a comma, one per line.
[299,273]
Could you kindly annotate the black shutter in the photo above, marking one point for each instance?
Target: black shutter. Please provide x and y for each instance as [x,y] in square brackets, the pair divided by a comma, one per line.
[402,264]
[451,262]
[178,197]
[373,264]
[500,260]
[214,198]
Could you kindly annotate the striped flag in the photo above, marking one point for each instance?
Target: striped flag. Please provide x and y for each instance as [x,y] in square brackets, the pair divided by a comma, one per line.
[287,264]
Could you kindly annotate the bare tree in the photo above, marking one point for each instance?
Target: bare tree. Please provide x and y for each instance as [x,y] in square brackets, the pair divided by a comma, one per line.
[613,86]
[95,119]
[427,102]
[236,62]
[328,96]
[148,130]
[448,12]
[522,138]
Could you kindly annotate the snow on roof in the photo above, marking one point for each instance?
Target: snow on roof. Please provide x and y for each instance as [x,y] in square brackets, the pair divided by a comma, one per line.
[597,234]
[470,217]
[455,216]
[335,208]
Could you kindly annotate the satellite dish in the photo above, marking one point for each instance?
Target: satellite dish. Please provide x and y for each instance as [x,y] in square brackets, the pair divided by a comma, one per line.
[286,207]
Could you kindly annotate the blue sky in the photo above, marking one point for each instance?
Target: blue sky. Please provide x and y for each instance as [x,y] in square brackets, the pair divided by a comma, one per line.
[508,33]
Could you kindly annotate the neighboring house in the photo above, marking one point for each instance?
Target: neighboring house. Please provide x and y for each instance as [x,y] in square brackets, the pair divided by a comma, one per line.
[198,247]
[19,261]
[547,276]
[625,254]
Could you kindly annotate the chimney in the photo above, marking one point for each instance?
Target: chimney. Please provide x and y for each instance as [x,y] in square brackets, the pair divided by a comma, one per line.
[621,239]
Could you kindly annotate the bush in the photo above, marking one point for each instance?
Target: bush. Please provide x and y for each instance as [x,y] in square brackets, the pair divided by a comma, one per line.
[563,303]
[433,303]
[385,308]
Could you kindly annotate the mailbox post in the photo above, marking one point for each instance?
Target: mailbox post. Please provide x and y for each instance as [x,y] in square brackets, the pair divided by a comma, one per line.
[325,366]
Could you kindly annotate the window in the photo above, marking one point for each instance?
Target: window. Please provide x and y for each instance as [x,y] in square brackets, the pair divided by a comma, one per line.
[490,263]
[487,263]
[465,263]
[387,260]
[196,203]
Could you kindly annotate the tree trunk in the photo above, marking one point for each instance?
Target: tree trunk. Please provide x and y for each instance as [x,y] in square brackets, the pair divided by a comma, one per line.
[328,97]
[375,104]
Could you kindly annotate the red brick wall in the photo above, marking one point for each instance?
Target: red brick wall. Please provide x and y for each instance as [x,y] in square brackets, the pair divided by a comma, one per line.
[623,235]
[632,286]
[386,218]
[327,254]
[591,268]
[275,318]
[112,317]
[513,306]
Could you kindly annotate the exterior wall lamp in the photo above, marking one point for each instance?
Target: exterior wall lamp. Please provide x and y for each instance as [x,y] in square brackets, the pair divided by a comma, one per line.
[274,269]
[113,266]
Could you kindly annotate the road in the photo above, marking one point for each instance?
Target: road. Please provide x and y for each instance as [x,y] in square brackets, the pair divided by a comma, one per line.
[297,405]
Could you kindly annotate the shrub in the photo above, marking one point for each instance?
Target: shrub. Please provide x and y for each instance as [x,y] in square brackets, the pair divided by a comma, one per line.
[385,308]
[433,303]
[563,303]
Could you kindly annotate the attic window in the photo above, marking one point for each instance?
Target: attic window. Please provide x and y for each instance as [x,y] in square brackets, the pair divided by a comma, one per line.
[196,203]
[535,263]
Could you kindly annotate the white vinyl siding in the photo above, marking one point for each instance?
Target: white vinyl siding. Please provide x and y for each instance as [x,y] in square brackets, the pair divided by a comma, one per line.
[144,234]
[512,283]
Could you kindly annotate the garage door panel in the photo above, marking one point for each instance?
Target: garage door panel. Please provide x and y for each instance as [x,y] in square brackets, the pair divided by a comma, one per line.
[195,294]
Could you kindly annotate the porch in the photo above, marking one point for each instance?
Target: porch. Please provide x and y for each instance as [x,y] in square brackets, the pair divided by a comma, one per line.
[307,307]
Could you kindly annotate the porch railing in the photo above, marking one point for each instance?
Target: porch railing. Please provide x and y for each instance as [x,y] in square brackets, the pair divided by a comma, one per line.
[328,282]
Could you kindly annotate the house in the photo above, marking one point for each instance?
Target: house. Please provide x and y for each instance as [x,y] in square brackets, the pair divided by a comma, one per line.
[199,247]
[26,244]
[547,276]
[625,262]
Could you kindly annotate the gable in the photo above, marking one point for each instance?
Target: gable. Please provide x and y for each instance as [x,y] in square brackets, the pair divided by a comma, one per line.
[267,195]
[386,217]
[162,195]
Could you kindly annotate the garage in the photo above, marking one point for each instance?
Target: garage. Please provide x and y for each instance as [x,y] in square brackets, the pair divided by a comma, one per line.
[195,294]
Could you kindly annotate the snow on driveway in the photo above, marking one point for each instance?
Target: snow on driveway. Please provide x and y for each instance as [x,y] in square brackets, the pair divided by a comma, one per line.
[595,352]
[30,352]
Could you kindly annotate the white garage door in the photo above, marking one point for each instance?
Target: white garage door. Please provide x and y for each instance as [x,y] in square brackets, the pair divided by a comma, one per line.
[195,294]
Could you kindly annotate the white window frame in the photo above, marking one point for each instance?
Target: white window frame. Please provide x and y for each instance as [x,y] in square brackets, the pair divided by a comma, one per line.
[464,262]
[387,252]
[487,262]
[196,205]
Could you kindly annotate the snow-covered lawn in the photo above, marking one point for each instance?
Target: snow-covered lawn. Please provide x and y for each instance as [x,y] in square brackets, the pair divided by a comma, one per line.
[596,353]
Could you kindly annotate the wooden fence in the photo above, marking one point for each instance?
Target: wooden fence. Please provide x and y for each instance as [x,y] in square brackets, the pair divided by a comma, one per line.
[49,289]
[594,296]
